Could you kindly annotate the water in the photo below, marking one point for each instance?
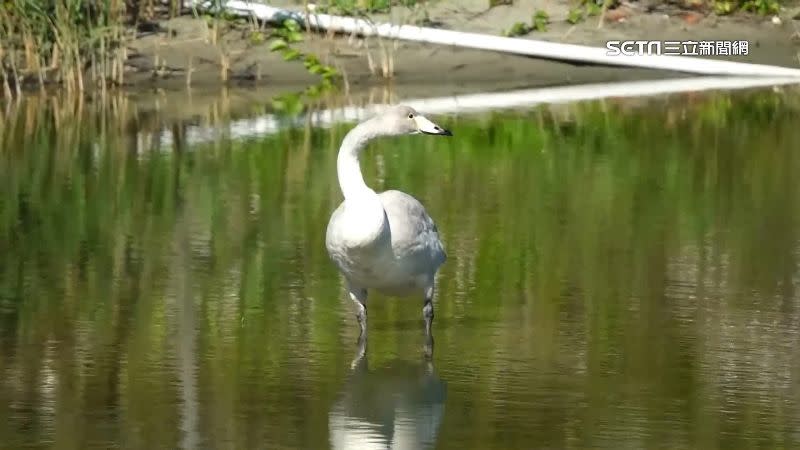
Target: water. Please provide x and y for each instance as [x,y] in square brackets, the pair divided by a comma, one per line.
[621,274]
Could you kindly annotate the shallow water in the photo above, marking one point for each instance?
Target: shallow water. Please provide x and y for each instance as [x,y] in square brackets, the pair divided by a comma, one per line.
[621,274]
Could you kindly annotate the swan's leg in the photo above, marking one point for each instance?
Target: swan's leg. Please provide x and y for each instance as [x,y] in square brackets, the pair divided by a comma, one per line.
[427,314]
[359,297]
[359,360]
[427,310]
[427,349]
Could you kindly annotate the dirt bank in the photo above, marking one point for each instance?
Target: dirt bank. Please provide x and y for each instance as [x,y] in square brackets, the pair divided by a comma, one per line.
[185,43]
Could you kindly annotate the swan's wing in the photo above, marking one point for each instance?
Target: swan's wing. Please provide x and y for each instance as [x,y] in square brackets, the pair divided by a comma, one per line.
[414,233]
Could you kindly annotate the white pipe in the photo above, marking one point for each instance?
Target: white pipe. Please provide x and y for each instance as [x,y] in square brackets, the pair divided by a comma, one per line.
[271,124]
[527,47]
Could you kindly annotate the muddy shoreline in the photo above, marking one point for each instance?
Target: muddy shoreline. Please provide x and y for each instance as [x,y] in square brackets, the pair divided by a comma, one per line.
[163,59]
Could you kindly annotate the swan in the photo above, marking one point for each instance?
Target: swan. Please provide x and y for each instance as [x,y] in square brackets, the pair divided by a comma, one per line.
[384,242]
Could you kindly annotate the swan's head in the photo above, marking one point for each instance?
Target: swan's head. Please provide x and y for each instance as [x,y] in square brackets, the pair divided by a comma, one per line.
[402,119]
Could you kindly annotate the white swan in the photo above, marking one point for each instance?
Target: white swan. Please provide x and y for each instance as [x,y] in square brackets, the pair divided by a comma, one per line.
[387,241]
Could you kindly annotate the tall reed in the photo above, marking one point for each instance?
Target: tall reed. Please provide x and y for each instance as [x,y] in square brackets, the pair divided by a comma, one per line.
[72,43]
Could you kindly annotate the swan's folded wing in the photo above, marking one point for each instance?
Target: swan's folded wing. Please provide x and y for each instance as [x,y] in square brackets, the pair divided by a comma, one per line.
[414,233]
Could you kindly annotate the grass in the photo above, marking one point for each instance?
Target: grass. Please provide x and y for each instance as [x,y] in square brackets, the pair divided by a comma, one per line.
[589,8]
[383,65]
[362,7]
[539,22]
[282,39]
[72,43]
[58,40]
[82,46]
[761,7]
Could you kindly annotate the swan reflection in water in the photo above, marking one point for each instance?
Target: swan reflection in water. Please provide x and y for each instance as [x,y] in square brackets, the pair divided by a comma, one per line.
[399,406]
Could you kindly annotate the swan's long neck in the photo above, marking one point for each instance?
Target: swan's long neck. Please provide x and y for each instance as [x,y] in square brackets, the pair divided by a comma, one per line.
[364,220]
[347,164]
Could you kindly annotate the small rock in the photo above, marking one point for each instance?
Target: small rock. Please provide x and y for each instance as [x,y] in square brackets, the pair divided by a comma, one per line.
[617,15]
[692,18]
[776,20]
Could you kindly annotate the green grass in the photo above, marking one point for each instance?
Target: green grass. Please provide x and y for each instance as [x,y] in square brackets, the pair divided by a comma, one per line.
[361,7]
[761,7]
[539,22]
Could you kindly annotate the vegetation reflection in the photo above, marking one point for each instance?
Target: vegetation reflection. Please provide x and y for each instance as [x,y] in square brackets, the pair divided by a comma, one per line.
[620,274]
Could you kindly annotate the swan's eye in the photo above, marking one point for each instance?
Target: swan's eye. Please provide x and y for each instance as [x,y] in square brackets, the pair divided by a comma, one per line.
[411,115]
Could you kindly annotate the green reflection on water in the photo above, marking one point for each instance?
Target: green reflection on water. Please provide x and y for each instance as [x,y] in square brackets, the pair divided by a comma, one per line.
[619,275]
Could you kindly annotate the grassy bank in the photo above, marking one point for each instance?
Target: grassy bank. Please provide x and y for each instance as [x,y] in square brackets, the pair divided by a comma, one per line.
[85,45]
[74,43]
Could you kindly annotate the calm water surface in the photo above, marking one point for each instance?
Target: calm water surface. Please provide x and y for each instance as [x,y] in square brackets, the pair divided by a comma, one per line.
[620,275]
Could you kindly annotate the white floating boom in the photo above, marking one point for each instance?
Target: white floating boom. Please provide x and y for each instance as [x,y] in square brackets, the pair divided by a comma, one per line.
[526,47]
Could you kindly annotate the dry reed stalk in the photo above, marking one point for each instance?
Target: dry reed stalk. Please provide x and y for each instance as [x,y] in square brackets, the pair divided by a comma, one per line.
[388,95]
[114,62]
[123,57]
[54,57]
[345,79]
[214,32]
[56,119]
[387,63]
[3,129]
[6,87]
[602,18]
[79,106]
[224,65]
[189,70]
[225,100]
[173,8]
[17,81]
[78,71]
[103,63]
[94,68]
[370,61]
[31,113]
[31,58]
[41,75]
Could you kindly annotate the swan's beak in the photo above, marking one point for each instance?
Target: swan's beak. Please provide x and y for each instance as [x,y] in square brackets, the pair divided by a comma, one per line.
[427,127]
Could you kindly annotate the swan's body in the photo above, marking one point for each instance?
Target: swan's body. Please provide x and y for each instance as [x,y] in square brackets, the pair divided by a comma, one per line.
[387,241]
[398,256]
